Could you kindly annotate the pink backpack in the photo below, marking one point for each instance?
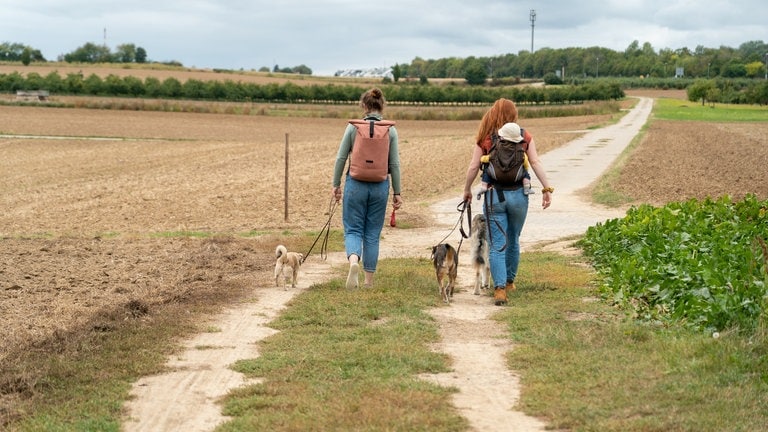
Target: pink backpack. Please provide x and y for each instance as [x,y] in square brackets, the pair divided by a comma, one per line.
[369,159]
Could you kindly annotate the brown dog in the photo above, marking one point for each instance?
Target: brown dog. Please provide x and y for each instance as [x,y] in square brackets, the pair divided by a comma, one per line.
[287,265]
[479,253]
[446,261]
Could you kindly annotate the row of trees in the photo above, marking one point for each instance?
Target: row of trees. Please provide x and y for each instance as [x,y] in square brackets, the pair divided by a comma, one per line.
[728,91]
[237,91]
[18,52]
[93,53]
[88,53]
[747,61]
[300,69]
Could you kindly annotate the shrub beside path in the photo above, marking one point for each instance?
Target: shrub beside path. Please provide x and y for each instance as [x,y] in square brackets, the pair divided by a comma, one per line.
[185,398]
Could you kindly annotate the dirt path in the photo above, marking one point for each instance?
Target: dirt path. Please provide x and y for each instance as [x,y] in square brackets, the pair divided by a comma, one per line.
[185,399]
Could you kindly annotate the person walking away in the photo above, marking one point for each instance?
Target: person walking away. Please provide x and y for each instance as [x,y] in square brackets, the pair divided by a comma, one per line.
[511,132]
[507,205]
[365,201]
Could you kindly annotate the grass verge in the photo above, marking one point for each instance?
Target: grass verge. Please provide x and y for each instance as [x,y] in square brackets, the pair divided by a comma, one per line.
[585,367]
[677,109]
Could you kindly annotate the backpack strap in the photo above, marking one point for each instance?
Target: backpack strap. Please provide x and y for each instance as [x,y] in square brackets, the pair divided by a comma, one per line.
[369,120]
[372,122]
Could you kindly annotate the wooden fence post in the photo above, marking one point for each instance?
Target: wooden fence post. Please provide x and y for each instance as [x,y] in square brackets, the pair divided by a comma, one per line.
[286,177]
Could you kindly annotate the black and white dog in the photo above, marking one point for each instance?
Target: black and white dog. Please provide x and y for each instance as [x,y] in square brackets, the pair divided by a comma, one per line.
[479,253]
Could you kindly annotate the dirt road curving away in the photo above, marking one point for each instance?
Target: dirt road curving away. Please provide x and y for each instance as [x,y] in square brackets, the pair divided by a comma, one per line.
[185,399]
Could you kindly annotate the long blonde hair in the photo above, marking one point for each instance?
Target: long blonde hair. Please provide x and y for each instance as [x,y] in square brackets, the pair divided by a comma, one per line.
[502,111]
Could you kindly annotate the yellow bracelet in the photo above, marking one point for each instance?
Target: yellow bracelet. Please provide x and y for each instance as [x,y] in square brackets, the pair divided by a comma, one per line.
[548,189]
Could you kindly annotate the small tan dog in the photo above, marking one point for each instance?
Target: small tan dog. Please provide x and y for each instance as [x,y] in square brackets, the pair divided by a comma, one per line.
[446,261]
[287,265]
[479,253]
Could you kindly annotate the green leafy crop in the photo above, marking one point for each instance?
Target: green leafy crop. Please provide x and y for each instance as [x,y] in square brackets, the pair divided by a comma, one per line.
[702,263]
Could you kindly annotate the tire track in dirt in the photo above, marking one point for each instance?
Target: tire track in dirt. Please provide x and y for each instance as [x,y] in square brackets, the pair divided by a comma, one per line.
[185,398]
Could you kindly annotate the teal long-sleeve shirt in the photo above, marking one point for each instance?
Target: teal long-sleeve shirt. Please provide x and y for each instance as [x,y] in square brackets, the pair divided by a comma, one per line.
[347,141]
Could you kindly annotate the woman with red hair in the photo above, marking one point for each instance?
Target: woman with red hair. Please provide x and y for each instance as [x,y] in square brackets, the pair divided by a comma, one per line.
[506,206]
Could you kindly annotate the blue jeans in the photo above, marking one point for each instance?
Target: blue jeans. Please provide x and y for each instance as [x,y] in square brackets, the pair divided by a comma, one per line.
[510,215]
[363,210]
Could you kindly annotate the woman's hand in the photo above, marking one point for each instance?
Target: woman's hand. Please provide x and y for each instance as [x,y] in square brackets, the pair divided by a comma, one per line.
[397,202]
[467,197]
[336,192]
[546,198]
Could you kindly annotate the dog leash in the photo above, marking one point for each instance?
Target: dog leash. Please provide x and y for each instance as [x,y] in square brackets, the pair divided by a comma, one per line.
[488,205]
[325,229]
[464,206]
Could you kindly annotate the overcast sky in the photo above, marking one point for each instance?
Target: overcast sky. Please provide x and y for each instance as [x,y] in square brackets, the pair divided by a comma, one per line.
[330,35]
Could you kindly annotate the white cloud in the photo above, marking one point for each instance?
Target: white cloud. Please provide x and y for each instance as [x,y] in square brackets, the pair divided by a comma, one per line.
[328,35]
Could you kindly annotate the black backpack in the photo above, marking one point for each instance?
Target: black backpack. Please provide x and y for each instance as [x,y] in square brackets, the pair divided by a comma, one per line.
[505,164]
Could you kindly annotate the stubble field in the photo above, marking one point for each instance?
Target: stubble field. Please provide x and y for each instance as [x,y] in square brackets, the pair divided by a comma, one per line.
[101,208]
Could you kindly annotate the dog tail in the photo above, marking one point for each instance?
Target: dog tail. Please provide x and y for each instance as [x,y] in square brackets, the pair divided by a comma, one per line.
[479,240]
[478,255]
[478,246]
[280,250]
[439,253]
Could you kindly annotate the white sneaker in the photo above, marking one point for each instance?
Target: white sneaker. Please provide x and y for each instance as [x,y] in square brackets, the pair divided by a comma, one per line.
[354,269]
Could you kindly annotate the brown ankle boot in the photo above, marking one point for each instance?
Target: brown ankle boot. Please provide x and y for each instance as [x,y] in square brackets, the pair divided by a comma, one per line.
[500,296]
[510,287]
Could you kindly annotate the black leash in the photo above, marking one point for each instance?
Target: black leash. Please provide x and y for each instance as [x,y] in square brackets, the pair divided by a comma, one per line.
[325,229]
[464,206]
[488,205]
